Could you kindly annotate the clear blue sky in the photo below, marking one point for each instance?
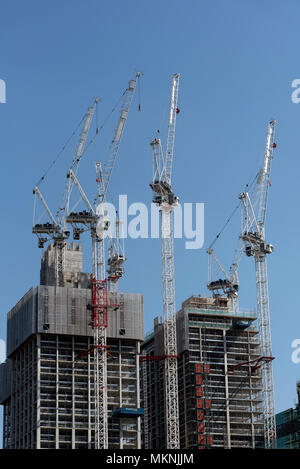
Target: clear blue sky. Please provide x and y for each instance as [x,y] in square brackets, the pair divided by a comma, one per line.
[237,60]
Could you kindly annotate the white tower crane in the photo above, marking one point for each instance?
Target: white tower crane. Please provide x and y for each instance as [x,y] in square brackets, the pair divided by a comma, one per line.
[57,230]
[98,223]
[253,235]
[94,222]
[229,284]
[165,199]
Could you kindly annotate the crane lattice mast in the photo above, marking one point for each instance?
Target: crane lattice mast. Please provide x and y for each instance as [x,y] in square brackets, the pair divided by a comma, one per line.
[94,221]
[116,256]
[253,236]
[165,199]
[98,223]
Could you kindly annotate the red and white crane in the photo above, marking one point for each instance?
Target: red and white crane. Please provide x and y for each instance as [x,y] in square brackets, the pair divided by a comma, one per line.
[253,236]
[98,223]
[165,199]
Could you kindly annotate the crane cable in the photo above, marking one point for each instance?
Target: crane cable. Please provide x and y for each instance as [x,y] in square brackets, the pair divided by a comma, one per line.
[224,226]
[98,129]
[247,187]
[59,153]
[74,133]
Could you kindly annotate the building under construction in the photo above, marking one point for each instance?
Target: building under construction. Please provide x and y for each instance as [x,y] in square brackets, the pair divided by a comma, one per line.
[46,384]
[219,378]
[72,378]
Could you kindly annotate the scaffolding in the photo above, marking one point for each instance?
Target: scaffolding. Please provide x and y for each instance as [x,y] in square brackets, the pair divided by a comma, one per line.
[219,407]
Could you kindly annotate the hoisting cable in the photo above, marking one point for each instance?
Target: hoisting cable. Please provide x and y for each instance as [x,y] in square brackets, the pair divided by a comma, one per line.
[247,187]
[60,152]
[139,95]
[72,135]
[224,226]
[98,129]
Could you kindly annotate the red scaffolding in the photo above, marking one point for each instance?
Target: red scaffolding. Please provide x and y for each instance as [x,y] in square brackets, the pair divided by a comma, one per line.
[101,303]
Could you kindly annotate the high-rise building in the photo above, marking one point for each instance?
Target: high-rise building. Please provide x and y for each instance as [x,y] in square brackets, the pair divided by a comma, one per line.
[46,383]
[219,378]
[288,426]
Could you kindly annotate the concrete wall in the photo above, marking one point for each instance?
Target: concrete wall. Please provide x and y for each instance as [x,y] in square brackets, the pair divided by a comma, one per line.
[72,273]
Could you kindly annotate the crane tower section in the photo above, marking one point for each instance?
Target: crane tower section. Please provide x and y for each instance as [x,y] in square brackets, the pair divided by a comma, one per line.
[253,236]
[98,223]
[165,199]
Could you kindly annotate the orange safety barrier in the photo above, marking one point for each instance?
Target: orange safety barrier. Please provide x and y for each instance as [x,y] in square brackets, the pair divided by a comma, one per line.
[199,379]
[200,427]
[200,403]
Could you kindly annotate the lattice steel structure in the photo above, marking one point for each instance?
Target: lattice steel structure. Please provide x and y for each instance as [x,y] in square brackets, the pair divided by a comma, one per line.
[97,223]
[165,199]
[253,235]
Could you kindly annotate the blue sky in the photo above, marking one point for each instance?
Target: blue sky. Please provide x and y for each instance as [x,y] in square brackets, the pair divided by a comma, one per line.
[237,60]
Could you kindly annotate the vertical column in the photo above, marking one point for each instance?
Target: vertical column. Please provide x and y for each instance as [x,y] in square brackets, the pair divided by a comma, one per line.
[33,395]
[120,390]
[251,393]
[89,396]
[57,402]
[38,392]
[12,401]
[138,400]
[73,394]
[226,392]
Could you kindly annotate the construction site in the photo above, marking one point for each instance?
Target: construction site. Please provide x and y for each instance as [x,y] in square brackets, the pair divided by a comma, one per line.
[81,373]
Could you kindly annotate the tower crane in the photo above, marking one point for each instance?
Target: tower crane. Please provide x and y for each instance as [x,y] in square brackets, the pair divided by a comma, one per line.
[229,284]
[116,257]
[253,236]
[165,199]
[57,229]
[95,219]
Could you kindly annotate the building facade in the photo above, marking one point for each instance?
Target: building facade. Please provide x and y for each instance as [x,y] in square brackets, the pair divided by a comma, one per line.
[288,426]
[219,388]
[46,383]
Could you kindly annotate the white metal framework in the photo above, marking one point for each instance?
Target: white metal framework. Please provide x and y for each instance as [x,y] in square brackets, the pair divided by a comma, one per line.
[93,220]
[166,200]
[229,285]
[116,257]
[57,230]
[253,235]
[145,400]
[98,223]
